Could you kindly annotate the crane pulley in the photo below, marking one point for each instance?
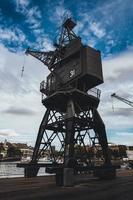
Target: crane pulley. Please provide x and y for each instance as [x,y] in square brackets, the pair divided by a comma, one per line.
[23,66]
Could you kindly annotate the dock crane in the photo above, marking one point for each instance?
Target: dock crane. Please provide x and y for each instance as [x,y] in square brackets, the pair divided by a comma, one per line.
[128,151]
[114,95]
[71,116]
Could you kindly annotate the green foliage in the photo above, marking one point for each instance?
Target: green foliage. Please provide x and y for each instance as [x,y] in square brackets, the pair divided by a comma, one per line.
[81,152]
[119,153]
[122,151]
[13,152]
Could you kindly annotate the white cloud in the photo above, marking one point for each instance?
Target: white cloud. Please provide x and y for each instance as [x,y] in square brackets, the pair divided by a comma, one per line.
[8,133]
[6,34]
[34,11]
[11,65]
[20,97]
[90,29]
[79,27]
[14,35]
[32,14]
[117,72]
[21,5]
[14,110]
[97,29]
[113,66]
[33,17]
[99,24]
[59,13]
[47,44]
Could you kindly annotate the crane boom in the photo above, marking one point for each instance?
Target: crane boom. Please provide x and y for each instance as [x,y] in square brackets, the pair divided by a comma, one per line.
[130,103]
[50,58]
[47,58]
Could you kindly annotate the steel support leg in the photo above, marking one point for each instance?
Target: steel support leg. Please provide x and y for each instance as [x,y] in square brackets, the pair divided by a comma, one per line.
[32,169]
[40,136]
[107,171]
[69,161]
[69,138]
[99,129]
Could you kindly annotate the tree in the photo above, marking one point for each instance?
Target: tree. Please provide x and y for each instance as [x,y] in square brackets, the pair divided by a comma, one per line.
[115,153]
[122,151]
[14,152]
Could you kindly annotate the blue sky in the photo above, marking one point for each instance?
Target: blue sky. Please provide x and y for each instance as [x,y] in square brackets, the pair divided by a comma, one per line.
[106,25]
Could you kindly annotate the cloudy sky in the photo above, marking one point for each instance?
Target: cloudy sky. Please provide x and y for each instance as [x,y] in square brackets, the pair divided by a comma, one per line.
[106,25]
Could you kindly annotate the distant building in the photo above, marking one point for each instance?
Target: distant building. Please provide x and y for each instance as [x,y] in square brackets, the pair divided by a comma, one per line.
[3,149]
[129,152]
[117,151]
[113,146]
[26,150]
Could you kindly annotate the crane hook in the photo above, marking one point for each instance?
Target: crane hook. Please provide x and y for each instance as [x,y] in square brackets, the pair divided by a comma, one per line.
[22,71]
[113,104]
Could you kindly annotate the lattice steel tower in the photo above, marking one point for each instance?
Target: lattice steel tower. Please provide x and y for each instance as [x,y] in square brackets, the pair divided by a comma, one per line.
[71,119]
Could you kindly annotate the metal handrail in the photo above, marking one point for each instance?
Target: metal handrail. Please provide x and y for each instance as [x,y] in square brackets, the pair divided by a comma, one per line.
[95,92]
[43,85]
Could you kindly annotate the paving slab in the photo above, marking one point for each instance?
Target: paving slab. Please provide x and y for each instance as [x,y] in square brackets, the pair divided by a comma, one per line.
[41,188]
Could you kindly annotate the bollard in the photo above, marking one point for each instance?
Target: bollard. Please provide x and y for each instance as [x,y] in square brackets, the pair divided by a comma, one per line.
[31,171]
[68,177]
[59,177]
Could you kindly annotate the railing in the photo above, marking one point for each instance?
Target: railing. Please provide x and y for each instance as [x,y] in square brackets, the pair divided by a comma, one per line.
[10,170]
[46,90]
[94,92]
[43,86]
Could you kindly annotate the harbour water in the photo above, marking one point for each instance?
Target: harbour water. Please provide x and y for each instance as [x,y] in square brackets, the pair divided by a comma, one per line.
[10,170]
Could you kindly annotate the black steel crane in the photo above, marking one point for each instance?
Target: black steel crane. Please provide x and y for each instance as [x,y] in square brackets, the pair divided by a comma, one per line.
[114,95]
[71,118]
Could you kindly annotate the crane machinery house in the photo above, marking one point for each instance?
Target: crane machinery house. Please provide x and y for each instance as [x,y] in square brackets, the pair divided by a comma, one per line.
[80,67]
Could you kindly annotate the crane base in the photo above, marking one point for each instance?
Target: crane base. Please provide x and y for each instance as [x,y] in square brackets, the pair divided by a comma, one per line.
[105,173]
[31,171]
